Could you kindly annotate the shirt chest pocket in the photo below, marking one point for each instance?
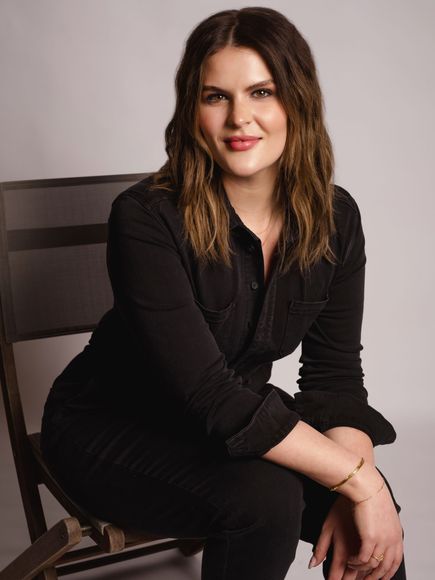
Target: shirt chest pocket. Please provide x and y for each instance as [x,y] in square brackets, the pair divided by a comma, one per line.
[219,322]
[299,317]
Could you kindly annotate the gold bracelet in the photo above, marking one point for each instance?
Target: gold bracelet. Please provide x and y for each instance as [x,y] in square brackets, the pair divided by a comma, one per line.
[370,496]
[357,468]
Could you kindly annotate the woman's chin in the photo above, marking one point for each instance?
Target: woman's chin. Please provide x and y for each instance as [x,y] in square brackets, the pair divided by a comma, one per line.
[244,172]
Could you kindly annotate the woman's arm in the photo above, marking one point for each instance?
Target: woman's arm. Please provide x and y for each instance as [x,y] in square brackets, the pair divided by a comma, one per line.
[326,461]
[332,392]
[338,527]
[353,439]
[377,524]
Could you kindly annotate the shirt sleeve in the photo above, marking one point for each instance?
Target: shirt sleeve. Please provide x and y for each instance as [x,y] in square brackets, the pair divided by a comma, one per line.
[154,296]
[332,391]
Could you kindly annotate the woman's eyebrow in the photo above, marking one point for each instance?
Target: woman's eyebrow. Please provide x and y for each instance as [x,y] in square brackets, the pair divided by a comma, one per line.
[250,88]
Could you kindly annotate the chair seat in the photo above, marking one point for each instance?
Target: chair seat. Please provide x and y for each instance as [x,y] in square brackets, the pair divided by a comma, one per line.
[110,537]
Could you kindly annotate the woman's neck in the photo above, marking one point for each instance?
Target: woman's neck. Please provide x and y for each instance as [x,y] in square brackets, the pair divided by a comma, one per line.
[254,203]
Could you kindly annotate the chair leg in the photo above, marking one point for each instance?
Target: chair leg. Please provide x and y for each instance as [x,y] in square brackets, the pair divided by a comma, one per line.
[191,547]
[47,549]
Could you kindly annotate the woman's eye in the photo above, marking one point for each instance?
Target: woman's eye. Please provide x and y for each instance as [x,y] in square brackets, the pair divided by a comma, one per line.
[217,97]
[214,98]
[266,92]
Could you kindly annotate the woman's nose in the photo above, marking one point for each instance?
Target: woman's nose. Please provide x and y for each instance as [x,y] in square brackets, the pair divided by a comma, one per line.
[239,114]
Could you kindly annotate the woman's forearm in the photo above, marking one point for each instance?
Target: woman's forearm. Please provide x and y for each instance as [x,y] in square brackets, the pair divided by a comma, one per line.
[308,451]
[353,439]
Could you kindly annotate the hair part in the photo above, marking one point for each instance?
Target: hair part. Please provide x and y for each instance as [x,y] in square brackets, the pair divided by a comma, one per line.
[304,187]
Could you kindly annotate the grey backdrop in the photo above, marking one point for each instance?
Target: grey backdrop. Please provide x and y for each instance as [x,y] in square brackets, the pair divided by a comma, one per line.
[87,89]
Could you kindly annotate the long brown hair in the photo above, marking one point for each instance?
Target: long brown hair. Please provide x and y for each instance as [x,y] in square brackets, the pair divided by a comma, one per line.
[305,178]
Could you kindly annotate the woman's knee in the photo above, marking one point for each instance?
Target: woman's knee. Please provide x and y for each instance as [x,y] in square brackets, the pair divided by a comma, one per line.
[264,494]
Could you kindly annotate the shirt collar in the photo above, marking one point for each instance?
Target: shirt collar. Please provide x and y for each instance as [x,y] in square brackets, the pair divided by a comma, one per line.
[235,220]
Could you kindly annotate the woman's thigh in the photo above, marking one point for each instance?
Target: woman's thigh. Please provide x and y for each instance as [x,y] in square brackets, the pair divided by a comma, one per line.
[168,482]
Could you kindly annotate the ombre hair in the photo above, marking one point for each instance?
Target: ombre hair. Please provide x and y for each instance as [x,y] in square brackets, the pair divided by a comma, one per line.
[304,188]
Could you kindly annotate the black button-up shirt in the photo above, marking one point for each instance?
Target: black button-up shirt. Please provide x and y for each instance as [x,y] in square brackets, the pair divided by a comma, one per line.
[195,344]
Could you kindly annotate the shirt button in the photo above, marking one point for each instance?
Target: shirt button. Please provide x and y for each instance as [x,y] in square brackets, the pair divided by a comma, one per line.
[254,285]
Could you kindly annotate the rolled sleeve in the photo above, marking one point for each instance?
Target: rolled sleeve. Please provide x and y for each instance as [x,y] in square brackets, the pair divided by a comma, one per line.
[324,411]
[332,391]
[154,296]
[272,421]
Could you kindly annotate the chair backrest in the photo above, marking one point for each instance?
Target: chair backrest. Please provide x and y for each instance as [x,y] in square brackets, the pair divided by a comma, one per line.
[54,281]
[53,277]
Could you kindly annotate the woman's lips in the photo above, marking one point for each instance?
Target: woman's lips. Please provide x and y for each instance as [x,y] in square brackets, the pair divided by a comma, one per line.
[242,145]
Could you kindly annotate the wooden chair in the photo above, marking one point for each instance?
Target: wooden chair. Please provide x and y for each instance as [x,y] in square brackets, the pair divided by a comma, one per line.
[53,281]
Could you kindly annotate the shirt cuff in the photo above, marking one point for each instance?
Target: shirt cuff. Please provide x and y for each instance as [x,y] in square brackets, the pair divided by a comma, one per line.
[271,422]
[325,410]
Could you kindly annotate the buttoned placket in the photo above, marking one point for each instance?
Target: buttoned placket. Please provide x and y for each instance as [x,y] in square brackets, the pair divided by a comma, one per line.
[253,284]
[259,296]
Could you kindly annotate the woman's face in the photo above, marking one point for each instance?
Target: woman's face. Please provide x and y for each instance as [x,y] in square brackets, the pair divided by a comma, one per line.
[239,100]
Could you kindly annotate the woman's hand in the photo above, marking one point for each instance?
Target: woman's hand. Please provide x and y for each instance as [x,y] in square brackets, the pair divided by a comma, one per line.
[380,532]
[339,530]
[359,531]
[326,461]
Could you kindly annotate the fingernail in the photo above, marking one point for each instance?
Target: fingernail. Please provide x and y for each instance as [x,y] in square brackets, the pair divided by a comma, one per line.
[312,562]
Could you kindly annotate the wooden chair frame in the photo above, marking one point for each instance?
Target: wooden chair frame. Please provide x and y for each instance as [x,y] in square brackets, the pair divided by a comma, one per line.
[49,554]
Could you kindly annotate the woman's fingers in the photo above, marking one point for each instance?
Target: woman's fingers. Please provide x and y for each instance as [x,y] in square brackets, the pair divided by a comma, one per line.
[389,565]
[322,545]
[363,557]
[338,569]
[381,554]
[393,569]
[350,574]
[397,562]
[372,562]
[385,566]
[366,568]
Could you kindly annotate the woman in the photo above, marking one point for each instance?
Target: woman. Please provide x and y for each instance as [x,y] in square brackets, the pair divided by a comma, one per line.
[238,249]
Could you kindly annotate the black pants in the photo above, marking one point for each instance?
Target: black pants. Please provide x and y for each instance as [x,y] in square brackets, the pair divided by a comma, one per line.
[253,512]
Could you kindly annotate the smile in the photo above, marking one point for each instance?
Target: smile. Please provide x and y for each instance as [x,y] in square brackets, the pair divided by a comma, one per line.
[242,145]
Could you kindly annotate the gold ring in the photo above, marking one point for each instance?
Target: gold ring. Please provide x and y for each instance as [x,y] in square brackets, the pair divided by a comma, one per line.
[378,558]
